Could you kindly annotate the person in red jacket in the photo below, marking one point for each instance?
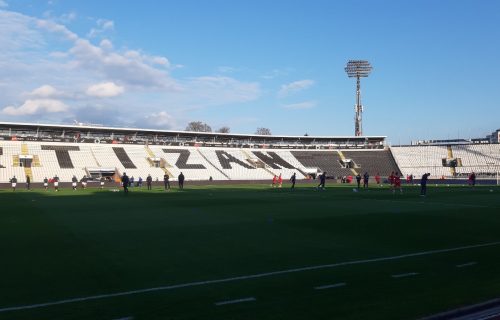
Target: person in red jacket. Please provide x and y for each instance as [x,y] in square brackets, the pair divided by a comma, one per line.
[275,180]
[377,178]
[391,178]
[397,183]
[280,181]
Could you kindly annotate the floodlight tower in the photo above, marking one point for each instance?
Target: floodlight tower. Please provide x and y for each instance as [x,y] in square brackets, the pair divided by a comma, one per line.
[358,69]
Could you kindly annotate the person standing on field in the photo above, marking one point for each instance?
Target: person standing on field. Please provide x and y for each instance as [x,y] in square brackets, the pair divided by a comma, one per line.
[13,182]
[292,179]
[149,181]
[166,181]
[125,182]
[181,181]
[423,184]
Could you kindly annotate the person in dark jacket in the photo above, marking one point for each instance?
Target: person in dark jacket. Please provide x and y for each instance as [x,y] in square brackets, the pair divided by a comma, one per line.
[423,184]
[125,182]
[292,179]
[181,181]
[28,182]
[366,177]
[358,180]
[166,181]
[149,181]
[322,181]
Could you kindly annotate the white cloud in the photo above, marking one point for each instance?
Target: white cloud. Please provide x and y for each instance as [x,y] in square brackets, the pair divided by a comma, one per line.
[131,67]
[295,86]
[56,28]
[36,106]
[105,90]
[158,120]
[3,4]
[103,26]
[106,44]
[45,91]
[301,105]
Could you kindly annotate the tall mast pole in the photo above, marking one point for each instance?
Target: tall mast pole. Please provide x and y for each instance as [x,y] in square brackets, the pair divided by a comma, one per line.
[358,69]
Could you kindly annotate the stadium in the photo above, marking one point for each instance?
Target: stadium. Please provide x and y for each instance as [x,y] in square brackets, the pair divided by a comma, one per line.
[123,215]
[231,245]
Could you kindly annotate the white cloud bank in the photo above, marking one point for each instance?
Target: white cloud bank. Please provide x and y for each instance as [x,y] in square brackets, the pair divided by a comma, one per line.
[36,106]
[105,90]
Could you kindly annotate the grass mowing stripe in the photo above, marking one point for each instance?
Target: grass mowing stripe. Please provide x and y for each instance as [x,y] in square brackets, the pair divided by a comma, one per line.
[246,277]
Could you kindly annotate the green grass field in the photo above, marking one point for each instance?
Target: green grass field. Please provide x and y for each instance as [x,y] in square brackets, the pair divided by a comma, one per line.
[60,246]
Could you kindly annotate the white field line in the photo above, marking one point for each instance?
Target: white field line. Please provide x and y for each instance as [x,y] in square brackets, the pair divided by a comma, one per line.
[126,318]
[222,303]
[468,264]
[404,275]
[330,286]
[245,277]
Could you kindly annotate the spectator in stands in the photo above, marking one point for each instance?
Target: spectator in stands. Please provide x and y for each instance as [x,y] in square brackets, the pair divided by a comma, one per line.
[423,184]
[13,182]
[358,180]
[377,178]
[292,179]
[125,182]
[166,181]
[322,181]
[56,182]
[46,183]
[149,181]
[366,177]
[28,181]
[74,182]
[102,182]
[275,181]
[181,181]
[280,181]
[397,183]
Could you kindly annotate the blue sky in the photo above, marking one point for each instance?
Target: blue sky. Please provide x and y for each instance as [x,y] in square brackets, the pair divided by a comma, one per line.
[248,64]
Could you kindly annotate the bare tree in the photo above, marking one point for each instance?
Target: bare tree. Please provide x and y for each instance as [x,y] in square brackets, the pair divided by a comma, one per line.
[198,126]
[224,130]
[263,131]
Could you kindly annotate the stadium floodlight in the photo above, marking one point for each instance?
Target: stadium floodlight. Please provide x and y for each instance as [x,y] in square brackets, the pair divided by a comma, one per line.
[358,69]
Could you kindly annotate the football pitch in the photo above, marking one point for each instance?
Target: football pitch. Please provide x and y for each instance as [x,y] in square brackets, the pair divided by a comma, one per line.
[247,252]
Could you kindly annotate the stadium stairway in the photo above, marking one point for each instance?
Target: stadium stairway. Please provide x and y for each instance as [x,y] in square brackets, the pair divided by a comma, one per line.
[24,149]
[450,156]
[341,155]
[28,172]
[249,156]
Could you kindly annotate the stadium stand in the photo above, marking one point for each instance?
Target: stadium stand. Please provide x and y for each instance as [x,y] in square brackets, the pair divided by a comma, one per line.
[47,150]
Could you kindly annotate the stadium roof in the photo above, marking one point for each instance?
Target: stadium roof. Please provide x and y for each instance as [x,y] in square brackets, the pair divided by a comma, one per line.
[88,127]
